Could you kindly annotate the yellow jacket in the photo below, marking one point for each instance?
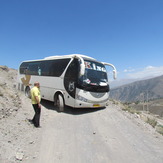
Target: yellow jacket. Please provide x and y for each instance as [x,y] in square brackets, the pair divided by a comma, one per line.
[35,92]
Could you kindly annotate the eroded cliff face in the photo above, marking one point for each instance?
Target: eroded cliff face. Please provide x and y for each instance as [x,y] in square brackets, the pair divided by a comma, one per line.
[9,96]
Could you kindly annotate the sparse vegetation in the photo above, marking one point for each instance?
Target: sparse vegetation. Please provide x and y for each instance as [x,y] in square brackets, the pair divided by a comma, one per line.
[130,109]
[137,102]
[159,129]
[152,122]
[114,101]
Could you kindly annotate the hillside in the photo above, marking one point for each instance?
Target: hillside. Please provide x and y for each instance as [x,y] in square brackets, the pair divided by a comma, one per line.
[9,97]
[139,91]
[155,107]
[18,137]
[97,134]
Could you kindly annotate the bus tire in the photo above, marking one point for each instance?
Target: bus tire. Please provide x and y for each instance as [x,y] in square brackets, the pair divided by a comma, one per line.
[27,92]
[60,103]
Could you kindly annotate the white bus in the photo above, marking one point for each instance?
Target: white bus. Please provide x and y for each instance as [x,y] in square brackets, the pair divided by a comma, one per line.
[73,80]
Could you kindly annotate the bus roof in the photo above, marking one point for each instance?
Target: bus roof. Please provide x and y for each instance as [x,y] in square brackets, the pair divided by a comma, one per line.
[62,57]
[68,56]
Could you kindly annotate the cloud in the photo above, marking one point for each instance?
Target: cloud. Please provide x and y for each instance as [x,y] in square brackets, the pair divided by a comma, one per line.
[129,70]
[149,71]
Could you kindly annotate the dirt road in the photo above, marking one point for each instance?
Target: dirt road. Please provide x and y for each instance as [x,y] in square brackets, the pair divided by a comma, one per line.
[76,136]
[99,136]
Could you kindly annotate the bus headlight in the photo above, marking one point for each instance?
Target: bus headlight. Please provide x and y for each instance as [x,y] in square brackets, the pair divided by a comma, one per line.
[81,98]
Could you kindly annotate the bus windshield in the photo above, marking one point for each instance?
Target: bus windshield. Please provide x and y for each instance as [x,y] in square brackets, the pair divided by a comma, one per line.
[95,77]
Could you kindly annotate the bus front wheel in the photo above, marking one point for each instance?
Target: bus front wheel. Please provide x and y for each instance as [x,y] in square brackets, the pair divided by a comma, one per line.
[60,103]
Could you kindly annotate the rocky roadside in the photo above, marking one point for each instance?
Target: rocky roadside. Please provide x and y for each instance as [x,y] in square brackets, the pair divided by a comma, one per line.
[18,137]
[9,98]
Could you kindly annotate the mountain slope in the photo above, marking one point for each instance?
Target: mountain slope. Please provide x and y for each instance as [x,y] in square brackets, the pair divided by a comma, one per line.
[140,90]
[9,97]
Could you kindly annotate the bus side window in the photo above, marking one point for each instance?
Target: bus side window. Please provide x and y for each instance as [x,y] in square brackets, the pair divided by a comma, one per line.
[26,71]
[72,71]
[23,68]
[57,67]
[42,67]
[33,68]
[39,71]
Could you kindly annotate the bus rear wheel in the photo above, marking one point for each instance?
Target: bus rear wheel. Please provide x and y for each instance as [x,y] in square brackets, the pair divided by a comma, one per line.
[60,103]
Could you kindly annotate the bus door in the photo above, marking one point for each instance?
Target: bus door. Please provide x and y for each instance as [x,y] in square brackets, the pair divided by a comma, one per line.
[70,82]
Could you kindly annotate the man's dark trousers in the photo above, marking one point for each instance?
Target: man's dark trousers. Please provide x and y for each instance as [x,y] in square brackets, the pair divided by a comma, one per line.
[36,118]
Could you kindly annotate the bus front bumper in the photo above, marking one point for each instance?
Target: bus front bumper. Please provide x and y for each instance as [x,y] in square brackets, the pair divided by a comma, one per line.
[82,104]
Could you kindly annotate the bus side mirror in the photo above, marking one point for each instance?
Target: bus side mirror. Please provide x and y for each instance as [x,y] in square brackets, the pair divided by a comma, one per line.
[82,69]
[82,65]
[114,74]
[114,69]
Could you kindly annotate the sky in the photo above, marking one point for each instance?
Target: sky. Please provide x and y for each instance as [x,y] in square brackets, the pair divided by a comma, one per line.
[126,33]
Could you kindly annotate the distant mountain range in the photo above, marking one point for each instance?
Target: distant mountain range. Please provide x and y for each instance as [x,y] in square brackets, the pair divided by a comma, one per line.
[143,90]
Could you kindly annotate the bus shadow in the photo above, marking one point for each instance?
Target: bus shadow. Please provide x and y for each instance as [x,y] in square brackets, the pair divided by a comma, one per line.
[48,105]
[79,111]
[69,110]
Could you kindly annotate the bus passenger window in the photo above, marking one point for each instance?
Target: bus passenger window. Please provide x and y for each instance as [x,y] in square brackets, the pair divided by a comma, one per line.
[39,71]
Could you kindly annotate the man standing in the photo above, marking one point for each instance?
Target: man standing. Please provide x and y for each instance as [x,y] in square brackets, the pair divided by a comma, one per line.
[36,98]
